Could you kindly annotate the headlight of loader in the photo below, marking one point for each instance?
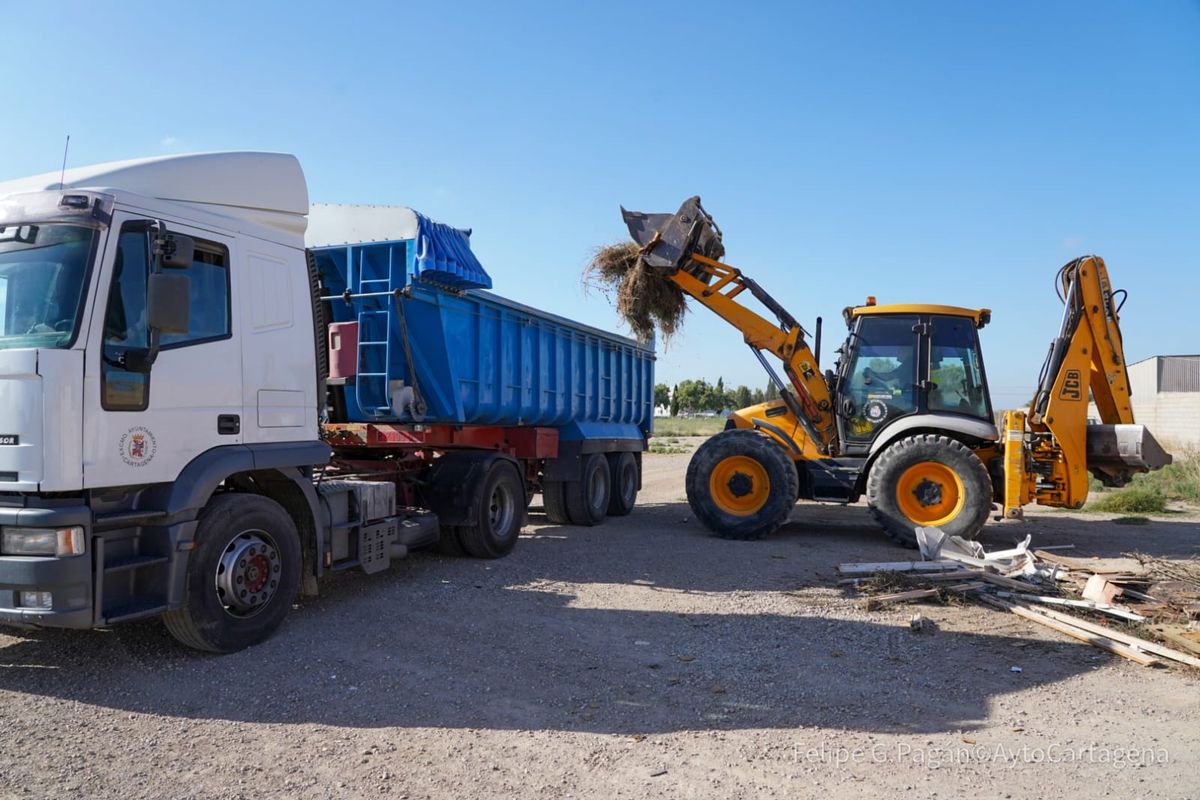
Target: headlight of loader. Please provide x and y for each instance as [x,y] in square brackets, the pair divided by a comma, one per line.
[42,541]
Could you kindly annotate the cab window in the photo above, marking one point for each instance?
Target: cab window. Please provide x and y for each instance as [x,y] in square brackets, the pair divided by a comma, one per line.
[125,327]
[955,369]
[881,380]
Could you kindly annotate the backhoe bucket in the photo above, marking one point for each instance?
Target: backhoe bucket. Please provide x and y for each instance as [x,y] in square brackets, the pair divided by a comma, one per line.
[669,240]
[1116,452]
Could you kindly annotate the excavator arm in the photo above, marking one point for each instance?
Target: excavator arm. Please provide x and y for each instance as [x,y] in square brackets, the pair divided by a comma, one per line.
[1050,450]
[684,248]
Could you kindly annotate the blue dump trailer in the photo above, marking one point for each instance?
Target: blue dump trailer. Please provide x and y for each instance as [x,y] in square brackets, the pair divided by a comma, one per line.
[428,367]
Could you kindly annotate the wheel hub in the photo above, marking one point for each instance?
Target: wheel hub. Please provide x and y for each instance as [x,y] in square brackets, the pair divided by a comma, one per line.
[741,484]
[500,509]
[928,493]
[248,573]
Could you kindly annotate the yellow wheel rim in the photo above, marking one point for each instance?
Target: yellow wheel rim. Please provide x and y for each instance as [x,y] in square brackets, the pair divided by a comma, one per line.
[739,485]
[930,493]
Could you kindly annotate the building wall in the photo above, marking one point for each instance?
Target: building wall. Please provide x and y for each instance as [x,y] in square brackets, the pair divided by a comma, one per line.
[1166,399]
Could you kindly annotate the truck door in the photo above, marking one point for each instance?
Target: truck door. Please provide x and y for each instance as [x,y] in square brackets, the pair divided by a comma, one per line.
[144,424]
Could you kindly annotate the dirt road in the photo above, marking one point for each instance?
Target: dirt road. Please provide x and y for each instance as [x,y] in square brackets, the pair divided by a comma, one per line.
[642,658]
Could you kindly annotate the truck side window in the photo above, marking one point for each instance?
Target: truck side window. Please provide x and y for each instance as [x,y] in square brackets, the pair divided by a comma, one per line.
[881,382]
[208,316]
[955,371]
[125,324]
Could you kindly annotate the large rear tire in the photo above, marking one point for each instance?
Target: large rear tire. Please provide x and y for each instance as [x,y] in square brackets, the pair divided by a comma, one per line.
[623,474]
[741,485]
[932,481]
[500,514]
[587,498]
[554,502]
[241,578]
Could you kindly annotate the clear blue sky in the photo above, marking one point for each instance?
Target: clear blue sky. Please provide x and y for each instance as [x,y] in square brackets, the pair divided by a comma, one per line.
[941,152]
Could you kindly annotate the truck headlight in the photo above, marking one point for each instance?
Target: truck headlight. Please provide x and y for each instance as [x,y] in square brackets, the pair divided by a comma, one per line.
[42,541]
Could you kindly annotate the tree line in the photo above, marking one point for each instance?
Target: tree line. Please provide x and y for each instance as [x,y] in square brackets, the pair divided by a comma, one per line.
[699,396]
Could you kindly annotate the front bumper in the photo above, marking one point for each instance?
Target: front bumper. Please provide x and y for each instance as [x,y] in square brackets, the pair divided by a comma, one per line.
[70,581]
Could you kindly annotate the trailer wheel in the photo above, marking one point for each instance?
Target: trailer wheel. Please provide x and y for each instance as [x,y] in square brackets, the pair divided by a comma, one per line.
[930,481]
[554,502]
[241,578]
[623,477]
[741,485]
[587,498]
[500,514]
[448,543]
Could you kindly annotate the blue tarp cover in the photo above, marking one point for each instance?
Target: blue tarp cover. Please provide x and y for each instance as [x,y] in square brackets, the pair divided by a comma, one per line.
[444,257]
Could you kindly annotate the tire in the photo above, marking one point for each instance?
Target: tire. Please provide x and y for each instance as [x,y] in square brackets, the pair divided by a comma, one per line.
[623,480]
[742,485]
[929,480]
[587,498]
[555,503]
[242,577]
[448,543]
[500,514]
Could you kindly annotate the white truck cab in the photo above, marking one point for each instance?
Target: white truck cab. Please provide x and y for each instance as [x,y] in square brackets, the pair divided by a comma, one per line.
[156,337]
[167,403]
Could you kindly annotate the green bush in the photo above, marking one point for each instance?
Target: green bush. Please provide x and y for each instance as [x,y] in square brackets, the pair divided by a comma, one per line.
[1134,499]
[1179,480]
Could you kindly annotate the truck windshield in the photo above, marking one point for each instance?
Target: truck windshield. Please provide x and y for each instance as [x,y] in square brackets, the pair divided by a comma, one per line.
[42,272]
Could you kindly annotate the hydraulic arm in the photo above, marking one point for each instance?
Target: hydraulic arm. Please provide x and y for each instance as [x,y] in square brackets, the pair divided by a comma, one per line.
[685,247]
[1050,451]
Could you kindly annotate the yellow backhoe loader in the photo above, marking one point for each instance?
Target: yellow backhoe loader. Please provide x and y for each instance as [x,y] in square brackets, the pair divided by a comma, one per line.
[904,418]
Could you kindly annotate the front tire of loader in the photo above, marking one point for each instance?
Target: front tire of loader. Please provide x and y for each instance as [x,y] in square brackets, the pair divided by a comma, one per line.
[932,481]
[741,485]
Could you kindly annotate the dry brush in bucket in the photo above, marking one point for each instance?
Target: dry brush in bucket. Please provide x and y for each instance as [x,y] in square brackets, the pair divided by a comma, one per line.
[647,300]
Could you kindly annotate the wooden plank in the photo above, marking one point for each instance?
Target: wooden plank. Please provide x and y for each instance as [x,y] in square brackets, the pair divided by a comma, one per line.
[1180,636]
[1119,636]
[1103,608]
[963,588]
[957,575]
[1102,566]
[1095,640]
[1007,583]
[899,597]
[868,567]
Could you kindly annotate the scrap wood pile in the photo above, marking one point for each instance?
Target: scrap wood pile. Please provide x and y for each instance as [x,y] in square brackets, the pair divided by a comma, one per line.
[1138,607]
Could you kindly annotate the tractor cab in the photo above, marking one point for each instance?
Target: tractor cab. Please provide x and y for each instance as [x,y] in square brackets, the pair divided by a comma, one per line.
[904,360]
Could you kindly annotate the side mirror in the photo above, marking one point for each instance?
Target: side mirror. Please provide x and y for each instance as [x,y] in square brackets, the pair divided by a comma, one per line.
[168,301]
[177,251]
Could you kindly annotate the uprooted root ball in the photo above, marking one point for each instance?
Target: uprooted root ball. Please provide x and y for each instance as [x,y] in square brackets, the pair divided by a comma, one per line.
[646,300]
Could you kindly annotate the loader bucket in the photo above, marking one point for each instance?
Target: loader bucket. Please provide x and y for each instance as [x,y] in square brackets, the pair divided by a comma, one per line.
[668,241]
[1116,452]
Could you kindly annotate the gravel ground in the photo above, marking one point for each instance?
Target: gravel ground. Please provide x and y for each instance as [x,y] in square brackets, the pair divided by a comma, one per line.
[642,658]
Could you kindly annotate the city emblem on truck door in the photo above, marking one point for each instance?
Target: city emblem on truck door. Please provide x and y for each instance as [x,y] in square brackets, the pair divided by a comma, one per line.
[138,446]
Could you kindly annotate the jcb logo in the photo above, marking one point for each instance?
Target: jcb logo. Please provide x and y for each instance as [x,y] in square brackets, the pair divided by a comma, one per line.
[1072,386]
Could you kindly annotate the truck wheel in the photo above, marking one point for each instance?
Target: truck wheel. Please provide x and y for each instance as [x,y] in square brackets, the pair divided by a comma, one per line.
[930,481]
[741,485]
[241,578]
[623,478]
[555,503]
[500,514]
[587,498]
